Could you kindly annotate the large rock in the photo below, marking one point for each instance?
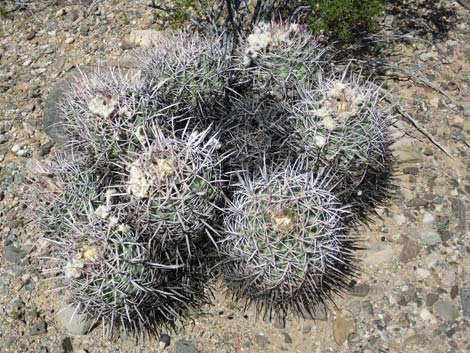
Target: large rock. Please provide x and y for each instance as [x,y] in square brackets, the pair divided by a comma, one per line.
[73,322]
[145,38]
[465,301]
[405,151]
[380,254]
[447,310]
[465,3]
[53,120]
[428,234]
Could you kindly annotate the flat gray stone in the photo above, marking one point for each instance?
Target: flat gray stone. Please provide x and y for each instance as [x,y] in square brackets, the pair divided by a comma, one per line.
[465,301]
[464,3]
[53,118]
[411,249]
[447,310]
[185,346]
[261,340]
[404,151]
[458,209]
[72,321]
[39,328]
[429,237]
[14,254]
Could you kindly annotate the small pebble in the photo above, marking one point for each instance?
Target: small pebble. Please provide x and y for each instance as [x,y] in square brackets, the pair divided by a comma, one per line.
[359,290]
[287,338]
[31,35]
[16,148]
[165,341]
[184,346]
[39,328]
[261,340]
[21,153]
[431,299]
[454,291]
[426,315]
[60,13]
[72,321]
[69,40]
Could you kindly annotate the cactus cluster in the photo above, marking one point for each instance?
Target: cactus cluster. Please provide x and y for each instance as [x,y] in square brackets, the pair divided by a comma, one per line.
[245,159]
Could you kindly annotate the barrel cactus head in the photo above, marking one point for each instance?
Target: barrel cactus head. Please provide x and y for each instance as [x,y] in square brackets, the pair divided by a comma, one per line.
[186,76]
[174,184]
[114,276]
[341,123]
[286,246]
[98,110]
[278,55]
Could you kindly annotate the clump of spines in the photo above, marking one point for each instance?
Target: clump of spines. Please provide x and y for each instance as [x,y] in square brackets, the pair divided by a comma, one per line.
[174,185]
[186,76]
[117,277]
[340,124]
[267,67]
[286,246]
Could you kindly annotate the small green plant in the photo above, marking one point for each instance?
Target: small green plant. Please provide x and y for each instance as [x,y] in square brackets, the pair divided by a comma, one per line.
[345,19]
[182,11]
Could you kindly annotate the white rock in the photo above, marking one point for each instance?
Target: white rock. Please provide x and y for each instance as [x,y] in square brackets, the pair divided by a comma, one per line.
[380,255]
[434,102]
[72,321]
[60,13]
[27,62]
[400,219]
[423,273]
[69,40]
[22,152]
[426,315]
[143,38]
[432,260]
[16,148]
[448,278]
[428,218]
